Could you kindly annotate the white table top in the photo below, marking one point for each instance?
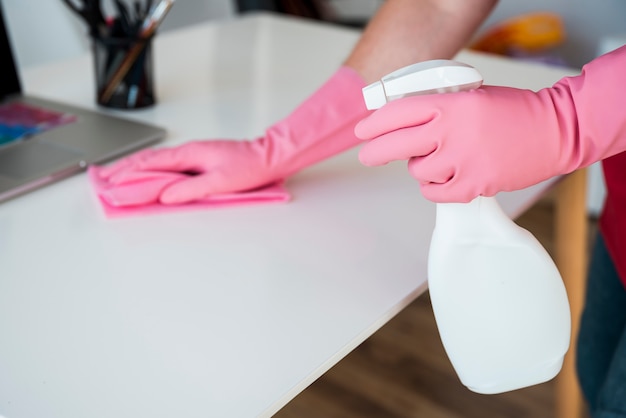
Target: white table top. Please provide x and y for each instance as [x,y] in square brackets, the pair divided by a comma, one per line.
[218,313]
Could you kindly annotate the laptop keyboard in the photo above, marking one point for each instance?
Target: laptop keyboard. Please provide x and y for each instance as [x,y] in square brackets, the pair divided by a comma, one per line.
[19,121]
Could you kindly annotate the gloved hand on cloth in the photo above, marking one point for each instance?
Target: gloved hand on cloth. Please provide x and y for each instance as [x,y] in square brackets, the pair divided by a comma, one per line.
[322,126]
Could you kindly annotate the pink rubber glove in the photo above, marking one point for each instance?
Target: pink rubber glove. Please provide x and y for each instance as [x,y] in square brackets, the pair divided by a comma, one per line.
[320,127]
[140,197]
[492,139]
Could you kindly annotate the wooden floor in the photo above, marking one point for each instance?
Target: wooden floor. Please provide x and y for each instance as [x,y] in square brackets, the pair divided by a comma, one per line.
[402,370]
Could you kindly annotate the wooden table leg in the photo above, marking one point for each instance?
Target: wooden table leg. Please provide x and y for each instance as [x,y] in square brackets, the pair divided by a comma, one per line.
[571,258]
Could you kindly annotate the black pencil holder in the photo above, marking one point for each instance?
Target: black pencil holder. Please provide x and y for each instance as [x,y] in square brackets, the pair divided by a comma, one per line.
[124,72]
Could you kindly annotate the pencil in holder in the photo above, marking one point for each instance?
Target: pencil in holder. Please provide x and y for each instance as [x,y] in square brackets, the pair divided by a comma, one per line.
[124,72]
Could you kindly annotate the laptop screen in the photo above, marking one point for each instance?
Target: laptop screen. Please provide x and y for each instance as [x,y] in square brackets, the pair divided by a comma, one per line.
[9,82]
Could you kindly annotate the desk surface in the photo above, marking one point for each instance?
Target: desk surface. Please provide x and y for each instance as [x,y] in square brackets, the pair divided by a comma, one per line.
[219,313]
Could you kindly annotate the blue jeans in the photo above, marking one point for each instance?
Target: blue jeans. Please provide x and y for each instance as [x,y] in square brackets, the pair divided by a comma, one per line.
[601,348]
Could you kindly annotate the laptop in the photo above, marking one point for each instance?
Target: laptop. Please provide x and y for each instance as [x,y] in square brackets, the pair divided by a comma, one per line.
[43,141]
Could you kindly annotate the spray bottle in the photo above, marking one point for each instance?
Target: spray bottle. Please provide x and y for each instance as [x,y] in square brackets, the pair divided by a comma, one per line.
[499,301]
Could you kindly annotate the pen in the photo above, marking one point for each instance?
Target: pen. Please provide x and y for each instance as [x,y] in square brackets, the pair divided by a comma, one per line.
[135,90]
[124,18]
[155,17]
[147,29]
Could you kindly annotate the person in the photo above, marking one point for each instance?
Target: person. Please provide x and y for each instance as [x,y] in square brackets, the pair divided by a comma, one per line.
[458,146]
[323,124]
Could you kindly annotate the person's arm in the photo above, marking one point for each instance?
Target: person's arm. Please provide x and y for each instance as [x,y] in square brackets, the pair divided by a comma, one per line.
[404,32]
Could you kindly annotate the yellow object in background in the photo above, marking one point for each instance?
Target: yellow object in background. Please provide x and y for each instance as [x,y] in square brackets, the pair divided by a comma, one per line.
[533,32]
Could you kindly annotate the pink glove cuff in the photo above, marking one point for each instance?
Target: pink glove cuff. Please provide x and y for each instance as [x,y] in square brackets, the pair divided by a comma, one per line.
[322,126]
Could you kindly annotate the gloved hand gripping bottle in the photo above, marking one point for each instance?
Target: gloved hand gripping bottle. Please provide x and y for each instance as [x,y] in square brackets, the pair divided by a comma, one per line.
[498,299]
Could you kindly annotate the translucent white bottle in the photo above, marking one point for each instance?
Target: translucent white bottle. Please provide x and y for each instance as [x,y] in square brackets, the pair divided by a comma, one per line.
[499,300]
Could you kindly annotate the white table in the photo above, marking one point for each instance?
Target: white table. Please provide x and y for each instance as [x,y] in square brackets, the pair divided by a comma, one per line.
[218,313]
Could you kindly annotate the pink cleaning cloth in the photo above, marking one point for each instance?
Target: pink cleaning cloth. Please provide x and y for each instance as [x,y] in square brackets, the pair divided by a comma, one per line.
[140,196]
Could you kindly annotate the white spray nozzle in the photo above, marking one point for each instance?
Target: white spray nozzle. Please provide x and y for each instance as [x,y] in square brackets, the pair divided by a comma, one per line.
[435,76]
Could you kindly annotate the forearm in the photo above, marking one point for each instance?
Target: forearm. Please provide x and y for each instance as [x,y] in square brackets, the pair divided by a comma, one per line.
[407,31]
